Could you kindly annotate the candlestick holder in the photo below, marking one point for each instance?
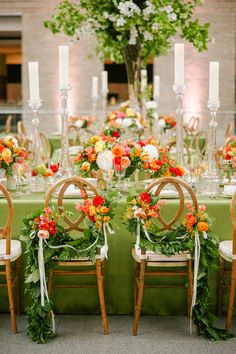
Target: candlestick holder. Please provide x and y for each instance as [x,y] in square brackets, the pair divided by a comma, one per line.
[36,155]
[94,106]
[144,101]
[65,167]
[211,176]
[179,90]
[104,105]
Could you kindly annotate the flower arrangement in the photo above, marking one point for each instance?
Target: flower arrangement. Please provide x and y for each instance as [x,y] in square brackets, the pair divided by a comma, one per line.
[141,219]
[44,171]
[167,122]
[82,122]
[43,227]
[229,157]
[10,152]
[116,24]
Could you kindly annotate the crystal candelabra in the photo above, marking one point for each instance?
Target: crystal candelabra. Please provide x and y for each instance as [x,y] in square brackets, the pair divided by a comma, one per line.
[94,106]
[211,151]
[65,168]
[179,91]
[104,105]
[36,151]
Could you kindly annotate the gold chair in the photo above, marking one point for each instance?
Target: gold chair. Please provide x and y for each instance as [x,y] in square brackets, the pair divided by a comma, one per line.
[144,262]
[10,252]
[21,132]
[73,134]
[96,268]
[196,143]
[8,124]
[187,155]
[191,127]
[227,251]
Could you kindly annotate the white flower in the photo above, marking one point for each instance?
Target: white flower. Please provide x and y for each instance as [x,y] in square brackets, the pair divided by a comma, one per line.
[120,21]
[106,14]
[149,10]
[43,234]
[172,17]
[155,26]
[147,36]
[167,9]
[151,105]
[138,213]
[119,121]
[151,151]
[79,123]
[162,123]
[128,8]
[133,36]
[10,138]
[104,160]
[126,122]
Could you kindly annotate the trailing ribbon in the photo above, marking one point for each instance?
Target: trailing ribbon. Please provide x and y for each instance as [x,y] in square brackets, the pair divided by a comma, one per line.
[197,251]
[141,222]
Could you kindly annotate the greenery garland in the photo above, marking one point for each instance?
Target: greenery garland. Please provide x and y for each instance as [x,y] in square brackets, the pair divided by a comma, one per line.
[44,223]
[143,209]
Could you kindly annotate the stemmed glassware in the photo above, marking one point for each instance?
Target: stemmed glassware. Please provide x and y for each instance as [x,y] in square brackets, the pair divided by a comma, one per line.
[19,170]
[107,175]
[119,172]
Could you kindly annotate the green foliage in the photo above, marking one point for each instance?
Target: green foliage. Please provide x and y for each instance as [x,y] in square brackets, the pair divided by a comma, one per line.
[152,24]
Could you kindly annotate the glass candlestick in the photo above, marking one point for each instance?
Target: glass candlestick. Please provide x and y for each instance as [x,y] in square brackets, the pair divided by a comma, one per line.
[65,167]
[94,106]
[36,151]
[104,105]
[179,90]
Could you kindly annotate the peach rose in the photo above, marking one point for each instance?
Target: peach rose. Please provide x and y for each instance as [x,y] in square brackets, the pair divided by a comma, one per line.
[202,226]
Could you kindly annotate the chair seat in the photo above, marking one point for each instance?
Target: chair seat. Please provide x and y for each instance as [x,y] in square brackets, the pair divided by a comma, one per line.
[159,257]
[225,248]
[15,250]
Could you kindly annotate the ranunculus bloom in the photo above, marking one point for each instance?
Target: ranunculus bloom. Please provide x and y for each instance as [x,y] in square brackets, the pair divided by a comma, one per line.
[98,200]
[99,146]
[191,219]
[125,162]
[117,151]
[43,234]
[145,197]
[116,134]
[202,226]
[54,168]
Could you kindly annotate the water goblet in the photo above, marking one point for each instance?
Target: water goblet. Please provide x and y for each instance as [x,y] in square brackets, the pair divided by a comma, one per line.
[119,173]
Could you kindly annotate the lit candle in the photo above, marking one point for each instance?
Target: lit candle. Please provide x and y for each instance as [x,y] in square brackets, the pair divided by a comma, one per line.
[214,82]
[143,80]
[156,88]
[95,87]
[104,81]
[34,81]
[179,64]
[63,67]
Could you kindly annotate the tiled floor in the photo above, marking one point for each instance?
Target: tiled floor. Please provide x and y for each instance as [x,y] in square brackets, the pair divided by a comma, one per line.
[83,334]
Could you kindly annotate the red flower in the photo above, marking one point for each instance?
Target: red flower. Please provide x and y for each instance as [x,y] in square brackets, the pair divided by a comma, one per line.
[91,218]
[116,134]
[227,157]
[33,173]
[116,161]
[142,143]
[1,148]
[54,168]
[98,200]
[145,197]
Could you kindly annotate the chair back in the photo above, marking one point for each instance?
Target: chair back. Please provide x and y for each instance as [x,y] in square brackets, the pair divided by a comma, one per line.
[233,220]
[45,148]
[59,190]
[185,193]
[229,130]
[8,124]
[73,134]
[187,155]
[199,142]
[5,230]
[21,132]
[192,126]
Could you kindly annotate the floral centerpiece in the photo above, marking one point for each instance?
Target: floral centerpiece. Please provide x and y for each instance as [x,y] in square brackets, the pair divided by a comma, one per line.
[47,239]
[119,122]
[132,30]
[82,122]
[229,157]
[141,219]
[10,152]
[167,122]
[44,171]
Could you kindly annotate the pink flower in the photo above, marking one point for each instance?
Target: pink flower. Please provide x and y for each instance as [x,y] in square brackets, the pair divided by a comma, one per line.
[44,234]
[48,211]
[202,207]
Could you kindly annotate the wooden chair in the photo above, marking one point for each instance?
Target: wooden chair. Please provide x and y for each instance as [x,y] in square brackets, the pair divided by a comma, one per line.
[191,127]
[227,251]
[8,124]
[96,268]
[146,260]
[21,132]
[73,135]
[196,143]
[46,149]
[10,252]
[187,155]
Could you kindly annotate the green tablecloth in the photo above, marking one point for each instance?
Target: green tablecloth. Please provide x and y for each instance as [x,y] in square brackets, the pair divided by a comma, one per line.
[119,266]
[55,141]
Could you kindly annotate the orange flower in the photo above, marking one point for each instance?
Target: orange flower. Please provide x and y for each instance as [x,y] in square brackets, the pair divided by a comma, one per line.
[191,219]
[117,151]
[125,162]
[167,174]
[106,218]
[202,226]
[104,210]
[92,157]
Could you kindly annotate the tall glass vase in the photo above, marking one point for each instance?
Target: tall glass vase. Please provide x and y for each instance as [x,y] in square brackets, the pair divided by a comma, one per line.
[132,58]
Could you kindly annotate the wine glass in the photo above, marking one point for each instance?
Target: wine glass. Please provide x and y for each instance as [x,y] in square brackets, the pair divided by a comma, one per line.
[119,171]
[19,169]
[107,175]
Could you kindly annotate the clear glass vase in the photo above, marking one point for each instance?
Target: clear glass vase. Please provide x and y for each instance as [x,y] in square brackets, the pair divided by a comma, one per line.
[132,58]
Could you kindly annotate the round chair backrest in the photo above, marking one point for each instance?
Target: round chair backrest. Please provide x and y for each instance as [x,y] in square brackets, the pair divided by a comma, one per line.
[5,230]
[193,124]
[229,130]
[233,220]
[73,134]
[199,142]
[59,190]
[187,155]
[185,193]
[8,124]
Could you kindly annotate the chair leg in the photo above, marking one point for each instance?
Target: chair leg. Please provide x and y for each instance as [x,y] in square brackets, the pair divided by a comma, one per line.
[50,282]
[18,267]
[220,285]
[190,286]
[231,297]
[136,265]
[10,296]
[140,297]
[101,295]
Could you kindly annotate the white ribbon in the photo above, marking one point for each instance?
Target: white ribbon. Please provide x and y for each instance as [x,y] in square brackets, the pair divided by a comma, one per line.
[43,283]
[197,251]
[106,228]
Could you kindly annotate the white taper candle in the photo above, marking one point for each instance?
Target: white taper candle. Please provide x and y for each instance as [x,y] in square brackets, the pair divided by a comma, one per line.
[63,67]
[95,87]
[179,64]
[214,82]
[104,81]
[156,87]
[34,81]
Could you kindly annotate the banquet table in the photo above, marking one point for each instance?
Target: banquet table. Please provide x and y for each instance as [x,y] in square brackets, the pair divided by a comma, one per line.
[119,266]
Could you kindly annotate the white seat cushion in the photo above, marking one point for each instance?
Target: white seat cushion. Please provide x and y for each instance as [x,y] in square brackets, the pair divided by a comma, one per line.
[15,250]
[159,257]
[225,248]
